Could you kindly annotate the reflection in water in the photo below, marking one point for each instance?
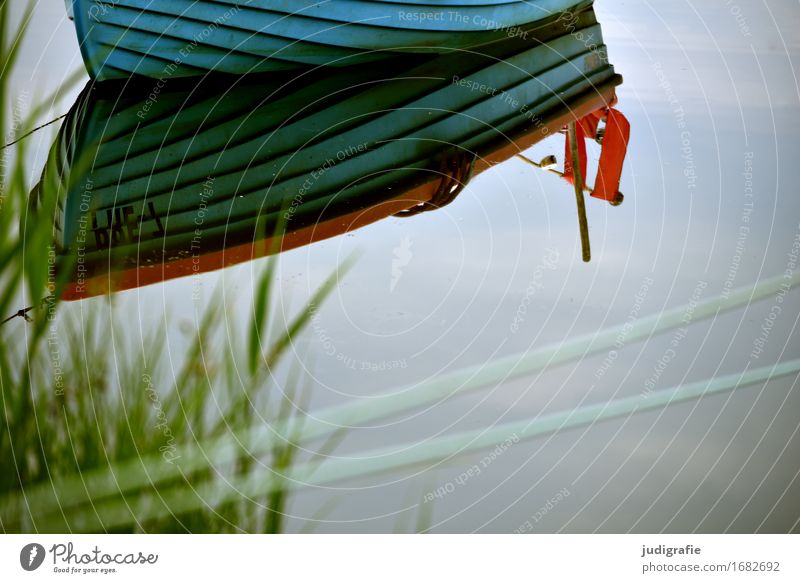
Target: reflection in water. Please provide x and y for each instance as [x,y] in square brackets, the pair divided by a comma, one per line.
[168,183]
[491,282]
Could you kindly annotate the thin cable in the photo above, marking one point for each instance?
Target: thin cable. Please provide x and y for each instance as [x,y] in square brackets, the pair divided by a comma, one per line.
[36,129]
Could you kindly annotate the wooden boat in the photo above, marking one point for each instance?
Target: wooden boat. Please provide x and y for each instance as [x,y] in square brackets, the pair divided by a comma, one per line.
[174,38]
[208,175]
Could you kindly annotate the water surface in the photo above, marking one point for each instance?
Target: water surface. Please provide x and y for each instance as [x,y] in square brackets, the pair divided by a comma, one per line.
[710,185]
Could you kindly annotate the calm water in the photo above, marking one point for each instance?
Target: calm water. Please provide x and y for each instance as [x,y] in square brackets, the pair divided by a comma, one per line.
[710,181]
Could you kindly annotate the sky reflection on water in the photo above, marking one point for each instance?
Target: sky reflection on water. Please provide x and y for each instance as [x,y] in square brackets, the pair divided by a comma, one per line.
[710,184]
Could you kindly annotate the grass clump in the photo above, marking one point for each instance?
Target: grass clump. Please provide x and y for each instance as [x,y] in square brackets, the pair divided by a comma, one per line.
[90,410]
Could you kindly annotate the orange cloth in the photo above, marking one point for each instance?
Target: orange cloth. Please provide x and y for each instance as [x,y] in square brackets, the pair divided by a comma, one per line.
[612,155]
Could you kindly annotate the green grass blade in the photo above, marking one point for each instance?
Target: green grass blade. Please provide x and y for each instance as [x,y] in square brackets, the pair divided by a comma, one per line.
[114,513]
[260,439]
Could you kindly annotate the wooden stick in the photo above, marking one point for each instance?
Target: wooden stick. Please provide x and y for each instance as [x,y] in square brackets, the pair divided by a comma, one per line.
[578,182]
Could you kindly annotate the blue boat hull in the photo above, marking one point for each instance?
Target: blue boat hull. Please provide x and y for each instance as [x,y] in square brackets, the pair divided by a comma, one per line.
[179,38]
[207,174]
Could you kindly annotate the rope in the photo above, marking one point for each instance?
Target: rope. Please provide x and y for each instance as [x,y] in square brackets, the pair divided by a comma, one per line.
[23,313]
[36,129]
[456,172]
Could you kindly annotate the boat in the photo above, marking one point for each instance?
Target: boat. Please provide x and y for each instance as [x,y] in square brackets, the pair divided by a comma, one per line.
[212,174]
[165,39]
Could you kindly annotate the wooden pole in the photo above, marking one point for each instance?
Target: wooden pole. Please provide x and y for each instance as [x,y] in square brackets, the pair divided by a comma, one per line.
[583,223]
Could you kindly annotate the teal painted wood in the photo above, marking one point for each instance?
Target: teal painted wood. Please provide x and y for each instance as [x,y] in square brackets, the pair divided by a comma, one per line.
[135,167]
[177,38]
